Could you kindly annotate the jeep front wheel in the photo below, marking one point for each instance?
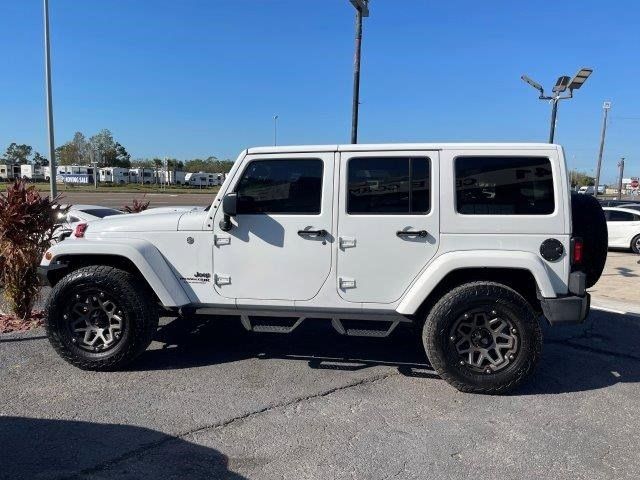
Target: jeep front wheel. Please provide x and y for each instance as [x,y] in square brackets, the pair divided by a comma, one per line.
[100,317]
[482,337]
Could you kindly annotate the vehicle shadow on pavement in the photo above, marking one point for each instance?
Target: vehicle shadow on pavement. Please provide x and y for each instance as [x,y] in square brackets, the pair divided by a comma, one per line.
[202,342]
[600,353]
[57,449]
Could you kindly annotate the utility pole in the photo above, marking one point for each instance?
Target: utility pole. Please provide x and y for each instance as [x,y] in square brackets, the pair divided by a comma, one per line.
[47,69]
[621,174]
[362,10]
[275,130]
[605,108]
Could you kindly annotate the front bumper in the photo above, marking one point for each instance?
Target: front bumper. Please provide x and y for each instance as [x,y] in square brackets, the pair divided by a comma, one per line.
[569,310]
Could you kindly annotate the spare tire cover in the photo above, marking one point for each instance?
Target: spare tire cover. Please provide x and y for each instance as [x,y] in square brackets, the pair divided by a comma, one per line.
[589,222]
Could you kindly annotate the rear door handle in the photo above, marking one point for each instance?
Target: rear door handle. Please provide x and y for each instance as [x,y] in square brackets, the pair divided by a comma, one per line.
[316,233]
[412,233]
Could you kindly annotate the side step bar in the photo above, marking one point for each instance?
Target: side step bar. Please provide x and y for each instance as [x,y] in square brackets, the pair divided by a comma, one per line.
[349,327]
[270,325]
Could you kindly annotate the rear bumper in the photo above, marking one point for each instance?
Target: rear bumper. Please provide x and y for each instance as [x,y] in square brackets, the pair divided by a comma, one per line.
[569,310]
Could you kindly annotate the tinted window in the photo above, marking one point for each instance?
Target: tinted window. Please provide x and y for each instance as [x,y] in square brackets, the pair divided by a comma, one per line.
[102,212]
[617,216]
[384,185]
[281,186]
[504,186]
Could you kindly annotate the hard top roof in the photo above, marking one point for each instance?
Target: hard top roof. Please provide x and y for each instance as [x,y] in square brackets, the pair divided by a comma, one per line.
[363,147]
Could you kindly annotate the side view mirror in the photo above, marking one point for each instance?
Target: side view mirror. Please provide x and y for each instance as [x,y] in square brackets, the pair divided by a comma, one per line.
[229,209]
[230,204]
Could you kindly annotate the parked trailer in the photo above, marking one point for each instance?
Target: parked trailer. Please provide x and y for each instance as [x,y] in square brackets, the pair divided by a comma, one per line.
[6,172]
[204,179]
[32,172]
[171,177]
[117,175]
[142,175]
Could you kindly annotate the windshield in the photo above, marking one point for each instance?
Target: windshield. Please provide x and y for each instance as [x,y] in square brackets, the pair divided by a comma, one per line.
[102,212]
[631,207]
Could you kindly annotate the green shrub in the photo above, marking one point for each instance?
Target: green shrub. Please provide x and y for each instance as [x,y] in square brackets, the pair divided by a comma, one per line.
[27,222]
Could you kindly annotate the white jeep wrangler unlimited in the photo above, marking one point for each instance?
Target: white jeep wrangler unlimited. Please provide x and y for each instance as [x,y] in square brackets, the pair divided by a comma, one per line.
[470,243]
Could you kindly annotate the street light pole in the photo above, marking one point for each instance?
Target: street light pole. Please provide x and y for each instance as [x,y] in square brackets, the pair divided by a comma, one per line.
[362,10]
[605,107]
[47,61]
[275,130]
[562,84]
[554,114]
[621,167]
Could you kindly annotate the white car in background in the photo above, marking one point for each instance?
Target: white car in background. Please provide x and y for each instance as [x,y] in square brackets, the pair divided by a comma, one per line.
[624,227]
[81,214]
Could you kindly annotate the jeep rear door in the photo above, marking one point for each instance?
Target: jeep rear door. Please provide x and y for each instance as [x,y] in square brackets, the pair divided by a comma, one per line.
[388,222]
[279,246]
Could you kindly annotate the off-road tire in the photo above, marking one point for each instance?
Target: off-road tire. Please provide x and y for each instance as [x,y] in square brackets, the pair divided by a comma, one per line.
[442,353]
[135,300]
[589,223]
[635,244]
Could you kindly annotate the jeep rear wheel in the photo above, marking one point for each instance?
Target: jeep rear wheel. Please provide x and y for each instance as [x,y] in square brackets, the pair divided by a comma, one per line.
[483,337]
[100,318]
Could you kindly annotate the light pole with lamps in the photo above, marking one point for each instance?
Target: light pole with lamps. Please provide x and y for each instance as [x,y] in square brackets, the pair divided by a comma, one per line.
[562,84]
[275,130]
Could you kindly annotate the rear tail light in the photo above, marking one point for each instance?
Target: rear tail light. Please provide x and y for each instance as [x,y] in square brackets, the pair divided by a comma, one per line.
[577,250]
[80,229]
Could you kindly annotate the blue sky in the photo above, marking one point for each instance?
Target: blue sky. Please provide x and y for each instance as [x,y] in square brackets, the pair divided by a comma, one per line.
[205,77]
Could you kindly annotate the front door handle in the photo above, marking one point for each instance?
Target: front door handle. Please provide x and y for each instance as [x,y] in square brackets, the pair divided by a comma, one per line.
[315,233]
[412,233]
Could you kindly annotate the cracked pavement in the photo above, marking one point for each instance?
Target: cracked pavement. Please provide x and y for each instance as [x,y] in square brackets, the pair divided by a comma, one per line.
[209,400]
[222,403]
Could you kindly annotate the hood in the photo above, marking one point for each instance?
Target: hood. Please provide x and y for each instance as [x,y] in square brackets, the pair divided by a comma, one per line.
[133,222]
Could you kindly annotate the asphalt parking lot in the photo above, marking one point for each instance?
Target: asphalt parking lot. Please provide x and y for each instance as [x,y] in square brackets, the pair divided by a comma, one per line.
[209,400]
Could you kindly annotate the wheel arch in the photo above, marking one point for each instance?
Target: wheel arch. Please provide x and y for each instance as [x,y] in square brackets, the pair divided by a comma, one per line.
[521,271]
[137,257]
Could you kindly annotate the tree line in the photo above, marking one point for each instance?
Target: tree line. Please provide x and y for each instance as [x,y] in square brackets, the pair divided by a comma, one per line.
[102,149]
[21,154]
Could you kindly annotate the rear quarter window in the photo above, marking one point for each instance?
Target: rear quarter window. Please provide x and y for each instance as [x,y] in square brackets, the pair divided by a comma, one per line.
[504,185]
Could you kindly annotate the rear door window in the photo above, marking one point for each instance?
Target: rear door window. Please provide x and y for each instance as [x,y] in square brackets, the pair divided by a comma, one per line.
[389,185]
[497,185]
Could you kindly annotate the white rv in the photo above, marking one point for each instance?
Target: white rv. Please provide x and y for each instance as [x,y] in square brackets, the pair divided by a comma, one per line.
[142,175]
[32,172]
[171,177]
[204,179]
[6,172]
[117,175]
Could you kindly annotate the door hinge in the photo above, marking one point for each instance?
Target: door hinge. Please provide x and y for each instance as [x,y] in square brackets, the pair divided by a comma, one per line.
[346,283]
[222,279]
[221,240]
[347,242]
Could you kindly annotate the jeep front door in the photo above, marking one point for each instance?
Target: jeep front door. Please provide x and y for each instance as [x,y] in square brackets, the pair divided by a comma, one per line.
[279,244]
[388,222]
